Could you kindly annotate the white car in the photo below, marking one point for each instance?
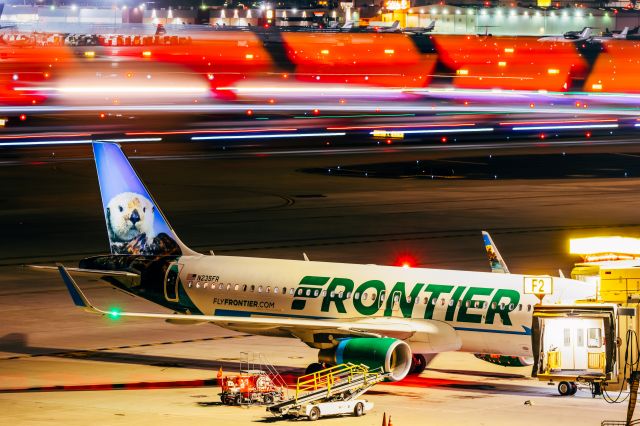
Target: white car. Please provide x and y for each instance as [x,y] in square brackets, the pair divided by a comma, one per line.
[357,407]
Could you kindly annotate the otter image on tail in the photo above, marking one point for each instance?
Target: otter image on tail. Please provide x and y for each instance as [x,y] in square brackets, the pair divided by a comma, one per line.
[135,225]
[130,219]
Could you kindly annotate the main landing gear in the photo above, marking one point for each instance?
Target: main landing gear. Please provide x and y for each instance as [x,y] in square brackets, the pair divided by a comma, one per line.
[418,364]
[314,367]
[567,388]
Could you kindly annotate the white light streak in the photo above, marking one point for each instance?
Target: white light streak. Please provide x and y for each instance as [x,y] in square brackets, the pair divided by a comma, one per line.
[561,127]
[282,135]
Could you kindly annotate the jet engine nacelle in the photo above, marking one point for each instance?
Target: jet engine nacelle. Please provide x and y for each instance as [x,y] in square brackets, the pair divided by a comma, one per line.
[506,360]
[393,355]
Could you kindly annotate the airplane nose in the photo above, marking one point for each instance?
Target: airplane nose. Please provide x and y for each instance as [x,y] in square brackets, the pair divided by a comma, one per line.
[135,217]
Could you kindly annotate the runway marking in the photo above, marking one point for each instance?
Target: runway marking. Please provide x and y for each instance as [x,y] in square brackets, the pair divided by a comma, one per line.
[85,352]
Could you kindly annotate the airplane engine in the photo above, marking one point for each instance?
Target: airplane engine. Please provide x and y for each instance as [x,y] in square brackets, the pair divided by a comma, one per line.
[393,355]
[506,360]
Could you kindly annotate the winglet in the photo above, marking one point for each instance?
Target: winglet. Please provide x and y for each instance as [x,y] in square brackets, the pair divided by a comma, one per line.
[495,259]
[79,299]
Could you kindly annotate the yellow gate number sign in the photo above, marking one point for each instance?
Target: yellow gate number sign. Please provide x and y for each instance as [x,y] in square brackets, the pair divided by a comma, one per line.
[538,285]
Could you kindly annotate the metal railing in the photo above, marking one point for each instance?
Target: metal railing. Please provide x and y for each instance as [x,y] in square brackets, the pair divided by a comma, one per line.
[331,377]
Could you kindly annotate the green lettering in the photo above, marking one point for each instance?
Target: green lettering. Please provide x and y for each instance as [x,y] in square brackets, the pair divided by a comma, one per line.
[358,303]
[436,290]
[453,303]
[463,315]
[299,304]
[338,296]
[508,306]
[406,307]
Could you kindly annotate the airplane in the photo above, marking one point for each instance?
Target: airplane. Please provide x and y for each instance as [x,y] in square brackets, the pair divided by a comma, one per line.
[496,261]
[429,28]
[395,318]
[393,28]
[570,36]
[616,35]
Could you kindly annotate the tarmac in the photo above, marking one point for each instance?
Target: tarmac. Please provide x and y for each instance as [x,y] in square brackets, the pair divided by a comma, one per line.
[61,365]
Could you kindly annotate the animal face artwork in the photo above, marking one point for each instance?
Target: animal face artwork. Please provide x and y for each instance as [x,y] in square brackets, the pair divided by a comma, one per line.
[129,215]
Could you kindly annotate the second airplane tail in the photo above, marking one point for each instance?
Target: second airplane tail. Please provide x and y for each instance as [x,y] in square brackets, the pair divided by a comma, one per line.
[135,224]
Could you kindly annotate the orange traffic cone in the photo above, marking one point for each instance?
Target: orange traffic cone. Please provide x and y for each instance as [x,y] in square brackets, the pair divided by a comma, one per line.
[220,374]
[389,424]
[384,419]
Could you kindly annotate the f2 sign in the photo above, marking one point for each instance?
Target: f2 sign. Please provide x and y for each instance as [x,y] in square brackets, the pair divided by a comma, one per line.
[538,285]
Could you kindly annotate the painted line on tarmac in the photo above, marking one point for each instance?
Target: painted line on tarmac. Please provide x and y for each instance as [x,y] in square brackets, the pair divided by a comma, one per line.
[113,348]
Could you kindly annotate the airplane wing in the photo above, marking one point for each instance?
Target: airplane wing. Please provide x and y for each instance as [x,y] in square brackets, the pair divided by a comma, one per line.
[433,336]
[496,261]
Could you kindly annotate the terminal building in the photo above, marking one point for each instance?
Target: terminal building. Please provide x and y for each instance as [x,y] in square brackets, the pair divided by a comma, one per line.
[497,18]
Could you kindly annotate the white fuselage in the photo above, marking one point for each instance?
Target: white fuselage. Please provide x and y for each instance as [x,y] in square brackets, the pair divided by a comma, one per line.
[490,312]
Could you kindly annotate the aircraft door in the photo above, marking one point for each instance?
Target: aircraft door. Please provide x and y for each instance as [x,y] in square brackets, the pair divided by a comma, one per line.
[381,299]
[395,301]
[171,281]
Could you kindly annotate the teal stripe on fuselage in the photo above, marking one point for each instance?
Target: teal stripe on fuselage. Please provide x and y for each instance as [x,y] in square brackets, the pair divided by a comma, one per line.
[246,314]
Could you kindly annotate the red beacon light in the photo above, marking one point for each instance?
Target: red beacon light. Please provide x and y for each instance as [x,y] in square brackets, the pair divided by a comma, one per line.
[406,261]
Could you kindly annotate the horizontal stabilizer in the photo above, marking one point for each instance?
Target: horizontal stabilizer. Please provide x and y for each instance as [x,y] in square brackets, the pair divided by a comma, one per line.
[95,273]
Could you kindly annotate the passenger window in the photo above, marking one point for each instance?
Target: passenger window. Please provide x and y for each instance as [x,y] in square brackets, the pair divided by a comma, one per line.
[365,296]
[253,288]
[594,338]
[259,289]
[493,305]
[275,290]
[268,289]
[502,306]
[356,296]
[324,293]
[519,306]
[333,294]
[236,287]
[189,285]
[349,295]
[316,293]
[308,292]
[442,301]
[284,290]
[341,294]
[451,302]
[511,306]
[580,337]
[205,285]
[417,300]
[221,286]
[291,291]
[528,308]
[228,287]
[244,287]
[381,296]
[468,303]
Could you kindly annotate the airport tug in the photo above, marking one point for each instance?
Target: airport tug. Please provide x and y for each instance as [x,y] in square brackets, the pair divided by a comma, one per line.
[595,342]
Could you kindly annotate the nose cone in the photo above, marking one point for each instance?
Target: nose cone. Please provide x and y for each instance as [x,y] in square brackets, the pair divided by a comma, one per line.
[135,217]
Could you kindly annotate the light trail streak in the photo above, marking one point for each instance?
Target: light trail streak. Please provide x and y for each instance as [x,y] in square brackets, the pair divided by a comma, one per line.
[593,126]
[448,130]
[189,132]
[282,135]
[74,142]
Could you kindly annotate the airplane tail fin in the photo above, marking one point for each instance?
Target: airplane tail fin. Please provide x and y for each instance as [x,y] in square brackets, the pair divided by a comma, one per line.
[496,261]
[135,224]
[431,26]
[160,30]
[586,33]
[624,32]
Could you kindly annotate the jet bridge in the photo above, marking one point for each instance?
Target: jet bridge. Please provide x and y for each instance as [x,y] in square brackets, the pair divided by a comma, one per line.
[576,343]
